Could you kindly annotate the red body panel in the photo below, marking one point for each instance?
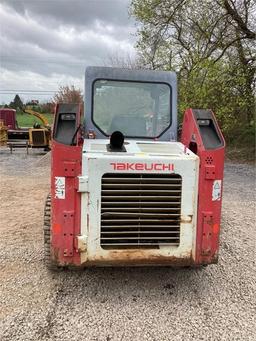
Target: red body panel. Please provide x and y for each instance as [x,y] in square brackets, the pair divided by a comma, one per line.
[9,117]
[66,213]
[209,211]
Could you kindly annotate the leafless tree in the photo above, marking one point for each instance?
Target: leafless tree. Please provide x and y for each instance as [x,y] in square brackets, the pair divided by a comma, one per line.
[68,94]
[121,60]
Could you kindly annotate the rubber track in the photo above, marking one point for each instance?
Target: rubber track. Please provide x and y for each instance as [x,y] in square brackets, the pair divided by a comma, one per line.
[50,264]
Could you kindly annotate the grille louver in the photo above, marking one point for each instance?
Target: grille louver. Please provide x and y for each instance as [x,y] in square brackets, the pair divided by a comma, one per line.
[38,138]
[140,210]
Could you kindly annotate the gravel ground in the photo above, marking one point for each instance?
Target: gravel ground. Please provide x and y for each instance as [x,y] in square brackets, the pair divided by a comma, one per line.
[216,303]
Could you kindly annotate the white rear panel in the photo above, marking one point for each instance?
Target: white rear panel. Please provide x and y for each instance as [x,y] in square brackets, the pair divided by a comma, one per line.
[164,160]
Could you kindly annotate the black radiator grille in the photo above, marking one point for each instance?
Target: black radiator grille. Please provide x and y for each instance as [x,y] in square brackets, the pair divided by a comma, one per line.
[38,137]
[140,210]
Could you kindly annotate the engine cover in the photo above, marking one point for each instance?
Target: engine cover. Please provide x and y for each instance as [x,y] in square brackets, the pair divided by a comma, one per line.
[138,207]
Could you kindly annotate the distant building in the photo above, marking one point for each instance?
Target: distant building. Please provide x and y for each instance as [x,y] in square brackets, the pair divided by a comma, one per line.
[33,102]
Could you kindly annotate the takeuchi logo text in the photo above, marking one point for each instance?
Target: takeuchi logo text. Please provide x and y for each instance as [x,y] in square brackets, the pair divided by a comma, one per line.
[126,166]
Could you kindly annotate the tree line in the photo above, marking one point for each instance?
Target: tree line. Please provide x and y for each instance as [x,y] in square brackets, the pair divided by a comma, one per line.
[65,94]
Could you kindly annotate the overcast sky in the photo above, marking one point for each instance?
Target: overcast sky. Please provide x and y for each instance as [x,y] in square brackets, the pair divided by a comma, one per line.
[48,43]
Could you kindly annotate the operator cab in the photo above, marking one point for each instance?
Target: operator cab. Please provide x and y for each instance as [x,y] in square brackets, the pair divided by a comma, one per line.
[139,104]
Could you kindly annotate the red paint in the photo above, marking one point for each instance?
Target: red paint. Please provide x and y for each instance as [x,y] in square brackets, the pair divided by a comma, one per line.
[9,117]
[125,166]
[66,161]
[216,228]
[56,228]
[211,168]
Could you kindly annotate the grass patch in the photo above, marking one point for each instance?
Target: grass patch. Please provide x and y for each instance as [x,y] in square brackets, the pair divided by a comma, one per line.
[241,153]
[27,120]
[241,143]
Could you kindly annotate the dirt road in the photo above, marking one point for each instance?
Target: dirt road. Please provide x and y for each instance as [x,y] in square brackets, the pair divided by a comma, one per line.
[216,303]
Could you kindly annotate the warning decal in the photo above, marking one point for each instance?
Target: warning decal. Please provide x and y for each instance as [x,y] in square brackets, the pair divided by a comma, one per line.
[216,190]
[60,187]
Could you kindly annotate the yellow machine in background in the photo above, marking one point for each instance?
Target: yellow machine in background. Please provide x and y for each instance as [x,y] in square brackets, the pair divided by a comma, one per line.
[3,134]
[39,136]
[38,115]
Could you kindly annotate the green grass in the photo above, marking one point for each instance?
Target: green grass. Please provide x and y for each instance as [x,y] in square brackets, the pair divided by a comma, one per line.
[27,120]
[243,153]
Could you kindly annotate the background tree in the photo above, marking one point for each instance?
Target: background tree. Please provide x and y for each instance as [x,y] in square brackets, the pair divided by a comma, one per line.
[211,45]
[126,61]
[47,107]
[16,103]
[68,94]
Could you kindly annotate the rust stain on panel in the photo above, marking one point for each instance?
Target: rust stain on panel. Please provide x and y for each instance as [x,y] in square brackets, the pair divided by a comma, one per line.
[140,258]
[186,219]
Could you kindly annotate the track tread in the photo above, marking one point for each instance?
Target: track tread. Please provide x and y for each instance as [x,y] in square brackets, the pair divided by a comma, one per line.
[50,264]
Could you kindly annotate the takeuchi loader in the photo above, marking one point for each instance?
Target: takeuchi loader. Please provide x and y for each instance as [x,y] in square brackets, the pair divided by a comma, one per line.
[124,191]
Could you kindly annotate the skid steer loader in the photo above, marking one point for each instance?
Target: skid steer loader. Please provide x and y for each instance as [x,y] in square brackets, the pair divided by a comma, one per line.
[124,191]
